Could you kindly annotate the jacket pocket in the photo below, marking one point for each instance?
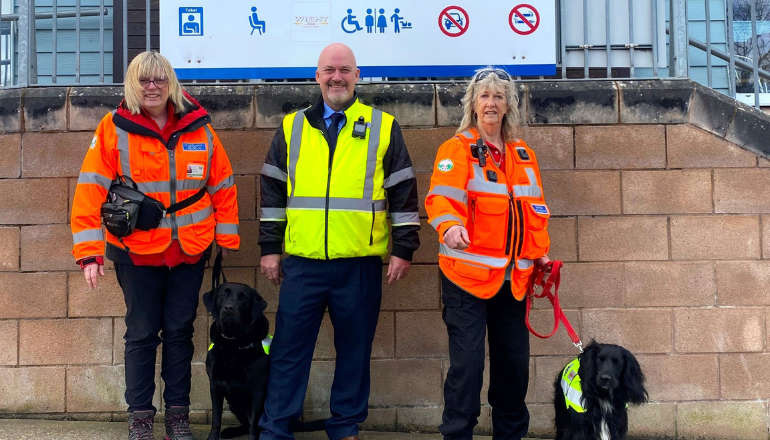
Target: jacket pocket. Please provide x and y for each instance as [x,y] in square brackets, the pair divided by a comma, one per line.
[536,239]
[490,222]
[472,271]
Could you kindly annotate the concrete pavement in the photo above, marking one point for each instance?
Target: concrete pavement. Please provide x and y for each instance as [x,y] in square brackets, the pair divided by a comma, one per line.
[32,429]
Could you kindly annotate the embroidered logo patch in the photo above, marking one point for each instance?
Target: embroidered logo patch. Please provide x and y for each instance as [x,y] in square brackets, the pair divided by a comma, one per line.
[93,143]
[195,171]
[540,209]
[445,165]
[193,147]
[522,153]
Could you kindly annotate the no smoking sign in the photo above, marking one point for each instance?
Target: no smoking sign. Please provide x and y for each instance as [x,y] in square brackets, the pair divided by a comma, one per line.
[524,19]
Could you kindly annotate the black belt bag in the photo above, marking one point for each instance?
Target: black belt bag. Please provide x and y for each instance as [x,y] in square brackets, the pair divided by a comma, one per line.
[127,208]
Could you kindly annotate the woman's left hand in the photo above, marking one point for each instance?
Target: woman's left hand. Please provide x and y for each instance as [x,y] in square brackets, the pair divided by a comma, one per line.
[542,261]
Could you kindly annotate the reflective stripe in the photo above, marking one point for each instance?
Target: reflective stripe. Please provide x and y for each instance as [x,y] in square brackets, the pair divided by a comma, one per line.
[210,148]
[227,228]
[479,184]
[467,134]
[95,178]
[187,219]
[189,184]
[274,172]
[404,218]
[225,183]
[336,204]
[154,187]
[451,192]
[531,190]
[88,235]
[481,259]
[273,214]
[444,218]
[523,263]
[371,155]
[398,177]
[296,141]
[125,155]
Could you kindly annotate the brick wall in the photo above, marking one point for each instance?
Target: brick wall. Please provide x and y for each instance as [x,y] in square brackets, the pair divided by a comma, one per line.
[660,217]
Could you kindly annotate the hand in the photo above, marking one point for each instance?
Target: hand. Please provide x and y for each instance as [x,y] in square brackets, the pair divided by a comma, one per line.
[543,263]
[456,237]
[92,272]
[397,268]
[270,266]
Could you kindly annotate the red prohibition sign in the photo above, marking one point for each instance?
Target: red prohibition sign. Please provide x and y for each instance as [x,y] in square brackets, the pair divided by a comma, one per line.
[528,26]
[453,17]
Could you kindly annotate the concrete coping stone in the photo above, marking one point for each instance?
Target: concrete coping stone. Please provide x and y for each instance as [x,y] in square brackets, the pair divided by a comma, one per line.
[422,104]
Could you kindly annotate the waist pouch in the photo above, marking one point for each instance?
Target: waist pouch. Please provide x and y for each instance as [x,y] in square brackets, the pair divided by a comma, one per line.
[127,208]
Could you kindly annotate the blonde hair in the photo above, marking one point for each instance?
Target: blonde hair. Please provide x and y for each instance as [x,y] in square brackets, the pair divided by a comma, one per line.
[492,82]
[151,64]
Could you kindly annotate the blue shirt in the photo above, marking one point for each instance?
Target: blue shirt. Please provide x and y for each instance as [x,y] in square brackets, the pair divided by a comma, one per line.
[328,112]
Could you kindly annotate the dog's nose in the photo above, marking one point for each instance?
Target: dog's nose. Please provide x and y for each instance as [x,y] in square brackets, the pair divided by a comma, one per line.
[605,378]
[228,308]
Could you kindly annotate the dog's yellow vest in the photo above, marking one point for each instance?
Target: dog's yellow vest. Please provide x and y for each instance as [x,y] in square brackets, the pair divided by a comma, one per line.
[570,385]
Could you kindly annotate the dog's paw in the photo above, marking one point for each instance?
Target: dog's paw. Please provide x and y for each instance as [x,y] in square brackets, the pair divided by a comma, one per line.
[234,431]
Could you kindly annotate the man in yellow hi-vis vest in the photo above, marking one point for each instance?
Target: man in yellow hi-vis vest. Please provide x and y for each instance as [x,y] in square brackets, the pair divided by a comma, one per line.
[336,174]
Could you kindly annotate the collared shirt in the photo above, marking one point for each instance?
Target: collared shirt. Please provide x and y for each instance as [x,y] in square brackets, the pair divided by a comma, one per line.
[328,111]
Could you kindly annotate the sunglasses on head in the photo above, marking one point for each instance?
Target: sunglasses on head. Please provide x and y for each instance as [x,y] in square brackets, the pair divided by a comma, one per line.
[500,73]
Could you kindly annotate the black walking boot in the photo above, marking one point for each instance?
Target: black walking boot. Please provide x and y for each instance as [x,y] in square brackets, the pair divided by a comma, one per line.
[178,423]
[140,425]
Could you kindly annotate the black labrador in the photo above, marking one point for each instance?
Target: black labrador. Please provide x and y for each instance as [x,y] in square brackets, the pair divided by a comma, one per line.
[237,363]
[610,378]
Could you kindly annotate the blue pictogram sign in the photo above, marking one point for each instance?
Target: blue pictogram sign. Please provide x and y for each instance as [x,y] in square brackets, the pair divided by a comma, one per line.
[376,21]
[190,22]
[255,22]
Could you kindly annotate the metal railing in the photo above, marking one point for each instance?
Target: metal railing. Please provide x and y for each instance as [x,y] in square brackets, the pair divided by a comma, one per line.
[595,39]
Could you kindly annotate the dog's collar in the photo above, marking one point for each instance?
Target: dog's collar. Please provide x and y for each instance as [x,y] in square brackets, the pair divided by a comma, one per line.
[265,344]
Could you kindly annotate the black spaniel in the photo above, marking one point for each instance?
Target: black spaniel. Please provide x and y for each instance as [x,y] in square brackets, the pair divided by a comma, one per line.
[593,391]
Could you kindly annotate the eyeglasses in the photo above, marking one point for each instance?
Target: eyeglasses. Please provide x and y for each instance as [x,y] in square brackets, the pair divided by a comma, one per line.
[159,82]
[500,73]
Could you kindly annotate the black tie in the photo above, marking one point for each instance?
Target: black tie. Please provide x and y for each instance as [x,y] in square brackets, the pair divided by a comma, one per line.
[334,129]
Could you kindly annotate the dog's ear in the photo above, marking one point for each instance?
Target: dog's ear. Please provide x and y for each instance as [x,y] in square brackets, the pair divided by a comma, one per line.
[633,379]
[258,304]
[209,300]
[587,369]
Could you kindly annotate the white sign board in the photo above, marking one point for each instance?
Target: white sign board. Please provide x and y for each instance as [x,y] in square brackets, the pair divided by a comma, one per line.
[240,39]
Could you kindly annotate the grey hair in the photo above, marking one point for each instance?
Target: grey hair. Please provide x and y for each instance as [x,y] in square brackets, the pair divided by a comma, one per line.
[491,82]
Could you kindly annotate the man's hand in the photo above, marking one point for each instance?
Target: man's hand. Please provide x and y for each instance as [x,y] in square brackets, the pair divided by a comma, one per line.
[456,237]
[92,272]
[270,266]
[397,268]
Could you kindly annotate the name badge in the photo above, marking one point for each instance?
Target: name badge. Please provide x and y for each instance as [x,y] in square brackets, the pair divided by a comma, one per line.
[193,147]
[195,170]
[540,209]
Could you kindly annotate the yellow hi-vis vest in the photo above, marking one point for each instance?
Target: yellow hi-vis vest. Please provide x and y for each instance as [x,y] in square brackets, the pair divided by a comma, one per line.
[337,210]
[570,385]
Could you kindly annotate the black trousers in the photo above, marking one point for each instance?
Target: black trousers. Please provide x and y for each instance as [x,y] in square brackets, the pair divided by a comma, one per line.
[467,319]
[160,305]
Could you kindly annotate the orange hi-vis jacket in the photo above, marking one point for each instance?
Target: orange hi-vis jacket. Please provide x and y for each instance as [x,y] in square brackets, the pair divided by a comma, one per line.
[193,159]
[504,212]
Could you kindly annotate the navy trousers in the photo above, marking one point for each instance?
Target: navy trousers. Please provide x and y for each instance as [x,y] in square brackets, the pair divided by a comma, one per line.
[352,290]
[160,305]
[467,319]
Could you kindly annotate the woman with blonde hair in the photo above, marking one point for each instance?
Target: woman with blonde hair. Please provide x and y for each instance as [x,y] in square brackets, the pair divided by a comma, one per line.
[486,202]
[160,141]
